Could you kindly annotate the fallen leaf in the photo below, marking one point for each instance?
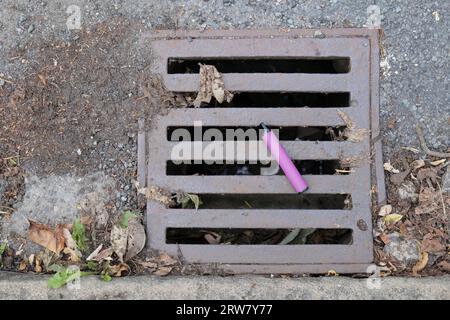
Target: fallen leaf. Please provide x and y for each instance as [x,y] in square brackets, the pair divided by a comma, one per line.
[388,167]
[105,254]
[147,264]
[163,271]
[31,259]
[43,79]
[433,244]
[384,237]
[43,235]
[385,210]
[22,265]
[444,265]
[128,242]
[166,260]
[71,246]
[118,269]
[425,173]
[37,265]
[74,255]
[351,132]
[417,164]
[94,253]
[332,273]
[211,85]
[119,237]
[212,238]
[438,162]
[155,193]
[136,238]
[421,264]
[392,218]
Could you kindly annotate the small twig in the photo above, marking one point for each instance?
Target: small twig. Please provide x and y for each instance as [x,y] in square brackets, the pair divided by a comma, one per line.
[425,147]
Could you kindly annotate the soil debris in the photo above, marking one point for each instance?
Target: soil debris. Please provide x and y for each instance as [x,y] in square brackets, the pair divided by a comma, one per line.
[52,239]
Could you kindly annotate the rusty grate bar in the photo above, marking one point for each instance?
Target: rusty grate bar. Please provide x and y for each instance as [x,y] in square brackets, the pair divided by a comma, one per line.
[360,46]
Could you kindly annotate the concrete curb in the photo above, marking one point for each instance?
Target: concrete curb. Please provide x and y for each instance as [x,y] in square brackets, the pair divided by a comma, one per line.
[26,286]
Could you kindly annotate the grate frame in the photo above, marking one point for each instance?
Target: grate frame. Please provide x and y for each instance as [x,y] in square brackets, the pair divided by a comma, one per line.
[361,45]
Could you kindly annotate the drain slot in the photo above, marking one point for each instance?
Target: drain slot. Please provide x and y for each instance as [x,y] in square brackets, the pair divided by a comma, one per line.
[230,236]
[230,133]
[274,201]
[313,167]
[283,99]
[331,65]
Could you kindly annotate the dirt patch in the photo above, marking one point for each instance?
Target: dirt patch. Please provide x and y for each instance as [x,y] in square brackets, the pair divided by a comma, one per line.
[76,107]
[413,232]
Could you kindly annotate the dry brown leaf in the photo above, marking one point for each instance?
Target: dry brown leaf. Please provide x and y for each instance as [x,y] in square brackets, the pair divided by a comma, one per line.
[99,255]
[73,254]
[147,264]
[421,264]
[438,162]
[155,193]
[213,238]
[136,238]
[429,201]
[43,79]
[166,260]
[384,237]
[94,253]
[211,85]
[417,164]
[118,269]
[444,266]
[425,173]
[37,265]
[433,244]
[351,132]
[105,254]
[31,259]
[119,237]
[71,246]
[390,168]
[163,271]
[22,265]
[43,235]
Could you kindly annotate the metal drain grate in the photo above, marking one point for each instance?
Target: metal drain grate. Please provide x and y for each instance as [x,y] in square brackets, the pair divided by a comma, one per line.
[352,71]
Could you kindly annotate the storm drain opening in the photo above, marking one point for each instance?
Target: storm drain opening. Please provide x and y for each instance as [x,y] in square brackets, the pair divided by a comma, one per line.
[282,100]
[261,65]
[273,201]
[227,236]
[316,167]
[234,133]
[238,212]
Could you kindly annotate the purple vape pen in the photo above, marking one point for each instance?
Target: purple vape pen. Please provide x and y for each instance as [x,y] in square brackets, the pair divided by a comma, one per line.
[280,155]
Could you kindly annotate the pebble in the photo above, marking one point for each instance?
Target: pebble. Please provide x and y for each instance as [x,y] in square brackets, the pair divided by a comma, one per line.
[31,28]
[403,250]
